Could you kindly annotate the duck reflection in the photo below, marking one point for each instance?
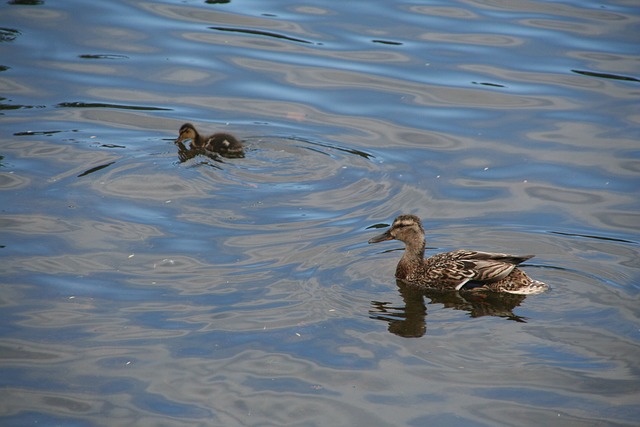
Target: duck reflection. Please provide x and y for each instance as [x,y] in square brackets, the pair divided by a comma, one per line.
[410,320]
[186,153]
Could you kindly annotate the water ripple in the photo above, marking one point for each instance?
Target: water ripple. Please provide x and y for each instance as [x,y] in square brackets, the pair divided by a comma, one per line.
[146,290]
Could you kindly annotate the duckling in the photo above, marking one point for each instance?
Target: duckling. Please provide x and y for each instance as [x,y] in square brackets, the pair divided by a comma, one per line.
[224,144]
[456,270]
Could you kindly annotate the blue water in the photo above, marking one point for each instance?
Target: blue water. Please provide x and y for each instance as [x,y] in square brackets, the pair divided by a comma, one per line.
[140,289]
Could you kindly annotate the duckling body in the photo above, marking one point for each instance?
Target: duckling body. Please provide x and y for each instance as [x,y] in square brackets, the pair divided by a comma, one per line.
[456,270]
[224,144]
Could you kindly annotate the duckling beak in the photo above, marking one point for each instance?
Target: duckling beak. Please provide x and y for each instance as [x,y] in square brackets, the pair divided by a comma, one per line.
[381,237]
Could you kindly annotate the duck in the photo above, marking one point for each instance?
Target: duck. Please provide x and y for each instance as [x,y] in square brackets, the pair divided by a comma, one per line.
[459,270]
[224,144]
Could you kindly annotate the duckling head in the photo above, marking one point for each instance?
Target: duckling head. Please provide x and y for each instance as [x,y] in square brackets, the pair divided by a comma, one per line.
[187,131]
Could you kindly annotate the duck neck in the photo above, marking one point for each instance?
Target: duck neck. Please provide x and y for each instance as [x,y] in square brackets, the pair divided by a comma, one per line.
[412,259]
[198,140]
[414,250]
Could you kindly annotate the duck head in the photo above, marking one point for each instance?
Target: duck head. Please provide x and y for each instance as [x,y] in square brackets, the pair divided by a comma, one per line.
[187,131]
[406,228]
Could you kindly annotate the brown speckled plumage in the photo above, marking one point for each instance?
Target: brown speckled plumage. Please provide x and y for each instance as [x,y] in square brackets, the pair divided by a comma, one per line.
[456,270]
[224,144]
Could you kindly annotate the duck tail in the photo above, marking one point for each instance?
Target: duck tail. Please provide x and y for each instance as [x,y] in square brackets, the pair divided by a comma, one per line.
[532,288]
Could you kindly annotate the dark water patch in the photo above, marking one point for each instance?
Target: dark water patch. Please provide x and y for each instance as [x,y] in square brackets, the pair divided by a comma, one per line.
[587,236]
[473,190]
[78,104]
[488,84]
[95,169]
[8,34]
[66,404]
[565,195]
[11,181]
[261,33]
[387,42]
[22,351]
[631,165]
[333,147]
[35,133]
[538,397]
[159,404]
[26,2]
[563,357]
[376,226]
[35,224]
[13,107]
[16,106]
[623,220]
[97,286]
[35,417]
[103,56]
[289,384]
[606,76]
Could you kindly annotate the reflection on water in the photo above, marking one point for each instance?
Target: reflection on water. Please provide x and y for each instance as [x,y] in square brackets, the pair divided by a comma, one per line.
[187,153]
[138,289]
[410,320]
[606,76]
[95,169]
[260,33]
[104,105]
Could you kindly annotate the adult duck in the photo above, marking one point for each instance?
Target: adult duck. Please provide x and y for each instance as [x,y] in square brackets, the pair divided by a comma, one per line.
[456,270]
[224,144]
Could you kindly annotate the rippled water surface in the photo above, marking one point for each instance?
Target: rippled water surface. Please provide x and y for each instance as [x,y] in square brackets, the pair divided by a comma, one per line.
[140,287]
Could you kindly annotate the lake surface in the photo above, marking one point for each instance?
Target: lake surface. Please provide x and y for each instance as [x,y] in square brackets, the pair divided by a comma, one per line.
[140,289]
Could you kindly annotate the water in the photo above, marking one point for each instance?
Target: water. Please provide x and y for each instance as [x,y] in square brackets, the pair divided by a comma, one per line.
[141,290]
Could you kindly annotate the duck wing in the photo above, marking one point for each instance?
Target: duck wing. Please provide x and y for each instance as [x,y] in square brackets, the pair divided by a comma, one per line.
[456,268]
[447,270]
[224,144]
[483,266]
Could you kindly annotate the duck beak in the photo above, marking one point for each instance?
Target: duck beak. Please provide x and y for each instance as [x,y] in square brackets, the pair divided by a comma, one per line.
[183,137]
[381,237]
